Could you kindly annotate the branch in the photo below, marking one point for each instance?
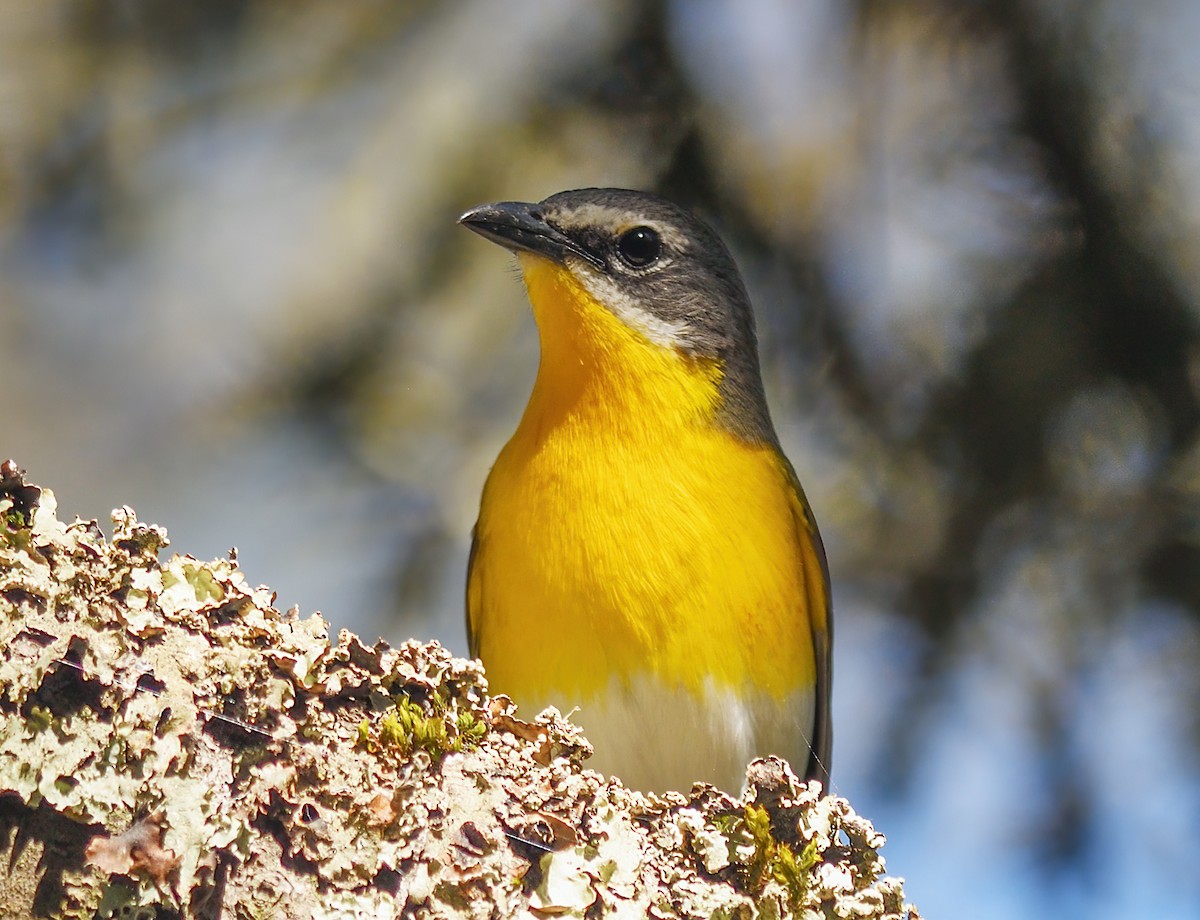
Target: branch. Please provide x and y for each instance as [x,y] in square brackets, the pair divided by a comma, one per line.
[169,739]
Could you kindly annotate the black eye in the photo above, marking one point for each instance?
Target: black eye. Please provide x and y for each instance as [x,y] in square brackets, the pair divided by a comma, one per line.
[639,246]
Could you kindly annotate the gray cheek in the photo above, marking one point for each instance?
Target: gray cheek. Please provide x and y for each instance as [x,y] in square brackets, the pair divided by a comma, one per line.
[697,307]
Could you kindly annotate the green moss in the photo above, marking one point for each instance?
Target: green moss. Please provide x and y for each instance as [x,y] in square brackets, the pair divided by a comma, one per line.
[773,859]
[39,719]
[432,727]
[757,825]
[470,730]
[15,519]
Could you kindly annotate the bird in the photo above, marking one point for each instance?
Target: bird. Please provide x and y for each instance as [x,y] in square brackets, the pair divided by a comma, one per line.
[644,555]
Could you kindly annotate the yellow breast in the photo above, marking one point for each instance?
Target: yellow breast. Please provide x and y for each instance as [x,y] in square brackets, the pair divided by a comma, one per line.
[622,533]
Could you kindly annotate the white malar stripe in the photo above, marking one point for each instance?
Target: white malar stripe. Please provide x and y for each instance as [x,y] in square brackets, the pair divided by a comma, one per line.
[660,331]
[657,738]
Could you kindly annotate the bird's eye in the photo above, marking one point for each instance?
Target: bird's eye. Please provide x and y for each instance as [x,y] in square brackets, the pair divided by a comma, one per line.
[639,247]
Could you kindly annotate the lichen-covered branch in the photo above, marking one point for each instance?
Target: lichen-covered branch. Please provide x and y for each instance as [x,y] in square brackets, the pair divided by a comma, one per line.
[169,739]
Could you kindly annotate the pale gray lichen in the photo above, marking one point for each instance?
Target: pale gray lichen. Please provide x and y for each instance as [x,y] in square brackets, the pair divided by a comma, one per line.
[168,738]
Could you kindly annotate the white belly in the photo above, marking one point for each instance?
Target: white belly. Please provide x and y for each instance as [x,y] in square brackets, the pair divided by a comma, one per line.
[657,738]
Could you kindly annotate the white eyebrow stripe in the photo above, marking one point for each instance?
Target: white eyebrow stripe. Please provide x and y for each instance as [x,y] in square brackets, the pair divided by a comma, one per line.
[617,221]
[592,215]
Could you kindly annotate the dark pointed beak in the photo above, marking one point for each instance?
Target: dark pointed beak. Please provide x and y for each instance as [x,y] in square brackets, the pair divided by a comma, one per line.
[522,227]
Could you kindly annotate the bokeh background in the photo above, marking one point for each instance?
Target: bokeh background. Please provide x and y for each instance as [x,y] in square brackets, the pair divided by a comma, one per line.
[233,296]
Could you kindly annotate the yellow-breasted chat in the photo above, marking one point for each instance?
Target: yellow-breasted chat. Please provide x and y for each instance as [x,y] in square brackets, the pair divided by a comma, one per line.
[644,551]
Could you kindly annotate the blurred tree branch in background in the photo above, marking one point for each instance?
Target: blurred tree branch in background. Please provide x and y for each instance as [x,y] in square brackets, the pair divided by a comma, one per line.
[970,231]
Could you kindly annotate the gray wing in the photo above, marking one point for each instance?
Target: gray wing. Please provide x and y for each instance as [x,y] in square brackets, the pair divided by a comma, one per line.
[472,594]
[820,619]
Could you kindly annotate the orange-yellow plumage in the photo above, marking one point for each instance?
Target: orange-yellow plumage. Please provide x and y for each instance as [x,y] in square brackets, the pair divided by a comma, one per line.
[591,517]
[638,555]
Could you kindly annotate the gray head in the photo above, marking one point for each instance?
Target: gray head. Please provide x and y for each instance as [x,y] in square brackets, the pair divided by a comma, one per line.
[659,269]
